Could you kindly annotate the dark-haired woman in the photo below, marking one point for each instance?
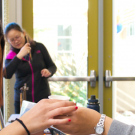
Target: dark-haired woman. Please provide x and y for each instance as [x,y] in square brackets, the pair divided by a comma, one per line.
[41,115]
[31,63]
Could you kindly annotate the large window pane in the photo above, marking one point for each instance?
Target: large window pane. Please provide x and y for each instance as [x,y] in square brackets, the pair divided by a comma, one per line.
[61,25]
[123,60]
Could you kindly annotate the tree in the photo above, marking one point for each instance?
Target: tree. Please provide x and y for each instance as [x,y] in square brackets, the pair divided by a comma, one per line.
[77,91]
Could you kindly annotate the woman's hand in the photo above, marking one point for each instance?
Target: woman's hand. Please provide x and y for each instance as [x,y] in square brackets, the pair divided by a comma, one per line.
[24,51]
[41,115]
[45,73]
[83,122]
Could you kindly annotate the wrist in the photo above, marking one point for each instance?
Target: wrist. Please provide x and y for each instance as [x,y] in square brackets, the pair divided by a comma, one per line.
[93,119]
[100,128]
[20,128]
[19,56]
[23,125]
[14,128]
[107,124]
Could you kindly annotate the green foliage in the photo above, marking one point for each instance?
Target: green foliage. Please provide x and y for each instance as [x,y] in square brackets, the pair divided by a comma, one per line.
[77,91]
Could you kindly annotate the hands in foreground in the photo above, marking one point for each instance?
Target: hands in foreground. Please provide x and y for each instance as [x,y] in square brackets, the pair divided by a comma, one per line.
[41,117]
[45,73]
[83,122]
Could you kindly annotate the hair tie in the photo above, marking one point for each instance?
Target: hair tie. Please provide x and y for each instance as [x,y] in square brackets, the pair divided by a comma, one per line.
[23,125]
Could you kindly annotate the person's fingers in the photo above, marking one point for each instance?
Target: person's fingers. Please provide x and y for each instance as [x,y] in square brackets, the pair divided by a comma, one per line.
[59,121]
[28,50]
[55,103]
[69,114]
[42,72]
[47,74]
[50,101]
[62,103]
[62,111]
[27,44]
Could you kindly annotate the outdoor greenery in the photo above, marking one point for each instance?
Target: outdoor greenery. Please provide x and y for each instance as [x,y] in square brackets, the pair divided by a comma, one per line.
[77,91]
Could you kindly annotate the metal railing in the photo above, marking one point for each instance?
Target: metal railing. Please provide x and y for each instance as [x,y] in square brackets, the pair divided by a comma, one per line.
[109,78]
[91,78]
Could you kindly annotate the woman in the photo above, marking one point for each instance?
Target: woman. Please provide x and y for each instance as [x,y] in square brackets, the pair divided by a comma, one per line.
[41,115]
[31,63]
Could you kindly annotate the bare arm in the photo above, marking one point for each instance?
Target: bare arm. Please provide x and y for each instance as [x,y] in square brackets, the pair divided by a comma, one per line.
[108,122]
[13,129]
[83,122]
[41,117]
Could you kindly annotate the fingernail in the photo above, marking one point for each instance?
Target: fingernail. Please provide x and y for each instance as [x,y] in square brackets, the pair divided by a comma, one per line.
[76,107]
[69,120]
[75,103]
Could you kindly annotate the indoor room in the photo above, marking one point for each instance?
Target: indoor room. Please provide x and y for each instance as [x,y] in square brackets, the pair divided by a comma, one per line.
[80,53]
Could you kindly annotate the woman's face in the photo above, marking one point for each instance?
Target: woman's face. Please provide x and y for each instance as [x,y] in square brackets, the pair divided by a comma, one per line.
[16,38]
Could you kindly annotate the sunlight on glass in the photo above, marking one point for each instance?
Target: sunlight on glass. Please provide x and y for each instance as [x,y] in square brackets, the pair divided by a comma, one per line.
[61,25]
[123,60]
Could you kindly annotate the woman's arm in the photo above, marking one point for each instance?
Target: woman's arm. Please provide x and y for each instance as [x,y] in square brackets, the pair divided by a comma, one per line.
[84,120]
[11,66]
[14,129]
[41,117]
[119,128]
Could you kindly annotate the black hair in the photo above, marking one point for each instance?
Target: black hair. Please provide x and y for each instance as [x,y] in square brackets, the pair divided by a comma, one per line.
[11,26]
[15,26]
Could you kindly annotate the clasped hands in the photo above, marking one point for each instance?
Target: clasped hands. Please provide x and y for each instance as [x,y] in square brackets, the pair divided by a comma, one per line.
[83,121]
[44,113]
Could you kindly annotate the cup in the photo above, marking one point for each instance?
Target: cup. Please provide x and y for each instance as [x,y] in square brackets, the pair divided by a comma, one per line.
[59,97]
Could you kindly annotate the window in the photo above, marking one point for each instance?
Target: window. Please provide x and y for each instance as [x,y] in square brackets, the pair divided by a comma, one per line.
[131,29]
[61,25]
[64,30]
[64,39]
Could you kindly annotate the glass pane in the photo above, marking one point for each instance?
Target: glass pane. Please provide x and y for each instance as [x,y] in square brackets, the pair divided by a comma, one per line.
[61,25]
[64,44]
[64,30]
[123,60]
